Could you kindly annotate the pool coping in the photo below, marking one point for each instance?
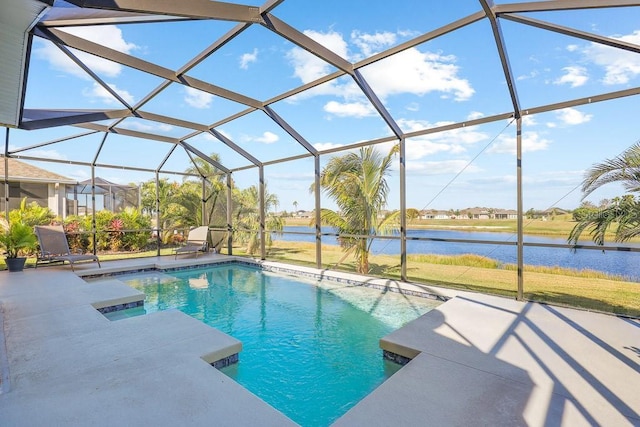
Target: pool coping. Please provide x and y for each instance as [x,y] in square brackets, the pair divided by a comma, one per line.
[493,359]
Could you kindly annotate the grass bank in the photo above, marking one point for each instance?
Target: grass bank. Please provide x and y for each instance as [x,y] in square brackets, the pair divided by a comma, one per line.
[583,289]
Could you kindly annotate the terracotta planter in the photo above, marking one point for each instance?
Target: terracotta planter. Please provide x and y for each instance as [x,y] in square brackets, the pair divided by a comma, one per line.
[15,264]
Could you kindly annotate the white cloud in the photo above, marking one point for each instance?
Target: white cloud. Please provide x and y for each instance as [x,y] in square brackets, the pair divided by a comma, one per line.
[529,121]
[573,76]
[620,66]
[411,71]
[571,116]
[454,141]
[106,35]
[414,106]
[475,115]
[146,127]
[442,167]
[266,138]
[321,146]
[531,75]
[248,58]
[350,109]
[370,44]
[308,67]
[48,154]
[419,73]
[98,92]
[197,98]
[531,141]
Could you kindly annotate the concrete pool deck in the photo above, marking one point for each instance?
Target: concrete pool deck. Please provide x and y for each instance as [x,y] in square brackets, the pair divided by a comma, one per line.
[476,360]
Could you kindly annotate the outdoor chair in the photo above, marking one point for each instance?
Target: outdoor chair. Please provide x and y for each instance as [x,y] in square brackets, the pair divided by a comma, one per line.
[54,247]
[197,241]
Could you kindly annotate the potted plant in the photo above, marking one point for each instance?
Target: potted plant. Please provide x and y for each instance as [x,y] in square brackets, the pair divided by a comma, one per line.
[16,238]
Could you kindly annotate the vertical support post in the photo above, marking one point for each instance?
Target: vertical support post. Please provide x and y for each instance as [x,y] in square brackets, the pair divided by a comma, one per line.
[318,221]
[403,211]
[229,214]
[6,175]
[520,244]
[263,251]
[93,209]
[204,202]
[158,228]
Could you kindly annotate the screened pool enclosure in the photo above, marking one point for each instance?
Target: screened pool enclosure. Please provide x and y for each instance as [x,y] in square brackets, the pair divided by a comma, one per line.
[494,107]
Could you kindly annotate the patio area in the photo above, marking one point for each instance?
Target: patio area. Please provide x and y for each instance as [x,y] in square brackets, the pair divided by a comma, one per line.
[476,360]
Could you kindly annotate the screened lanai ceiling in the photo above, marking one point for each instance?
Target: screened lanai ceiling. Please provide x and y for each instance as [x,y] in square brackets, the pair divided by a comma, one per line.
[144,85]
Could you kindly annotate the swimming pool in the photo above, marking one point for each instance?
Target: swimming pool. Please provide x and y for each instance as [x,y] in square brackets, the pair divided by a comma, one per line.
[310,348]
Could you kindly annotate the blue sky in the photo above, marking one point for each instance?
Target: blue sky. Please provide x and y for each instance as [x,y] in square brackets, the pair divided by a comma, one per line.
[453,78]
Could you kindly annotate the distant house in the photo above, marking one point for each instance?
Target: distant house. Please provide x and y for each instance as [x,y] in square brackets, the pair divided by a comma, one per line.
[434,214]
[476,213]
[64,196]
[505,214]
[37,185]
[303,214]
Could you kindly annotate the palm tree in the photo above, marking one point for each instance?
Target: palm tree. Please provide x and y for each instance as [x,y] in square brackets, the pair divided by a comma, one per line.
[623,211]
[357,183]
[215,202]
[624,169]
[248,217]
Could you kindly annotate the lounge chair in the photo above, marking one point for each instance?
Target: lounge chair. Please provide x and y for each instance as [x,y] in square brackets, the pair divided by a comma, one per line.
[54,247]
[197,241]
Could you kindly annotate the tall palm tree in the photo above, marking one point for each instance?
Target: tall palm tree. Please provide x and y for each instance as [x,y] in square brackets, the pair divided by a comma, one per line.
[247,203]
[357,183]
[624,169]
[215,202]
[623,211]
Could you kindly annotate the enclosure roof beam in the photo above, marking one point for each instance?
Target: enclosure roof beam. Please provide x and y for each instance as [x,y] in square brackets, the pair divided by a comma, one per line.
[128,132]
[33,119]
[90,72]
[547,6]
[307,43]
[382,55]
[607,41]
[583,101]
[60,37]
[377,104]
[76,17]
[290,130]
[203,156]
[445,29]
[235,147]
[269,5]
[192,63]
[55,141]
[502,53]
[192,9]
[97,165]
[172,121]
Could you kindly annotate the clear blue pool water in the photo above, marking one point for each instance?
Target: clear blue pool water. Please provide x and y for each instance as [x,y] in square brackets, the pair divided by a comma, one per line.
[309,349]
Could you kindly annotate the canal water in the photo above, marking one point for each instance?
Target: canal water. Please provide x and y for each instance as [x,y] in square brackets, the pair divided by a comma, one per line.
[622,263]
